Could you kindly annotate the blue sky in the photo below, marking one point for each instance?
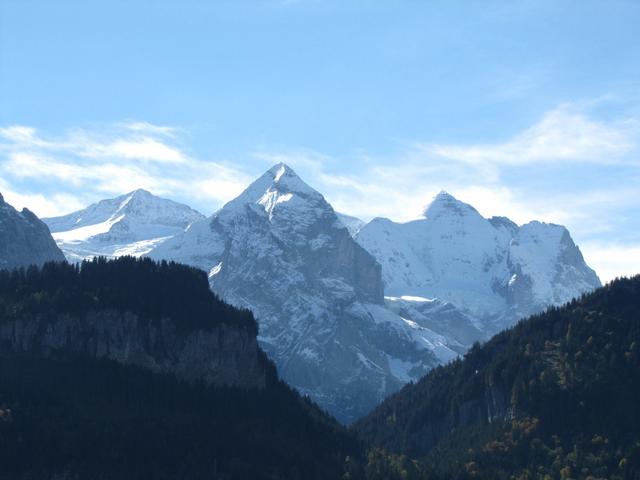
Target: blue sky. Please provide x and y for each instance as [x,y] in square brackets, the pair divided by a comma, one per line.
[529,109]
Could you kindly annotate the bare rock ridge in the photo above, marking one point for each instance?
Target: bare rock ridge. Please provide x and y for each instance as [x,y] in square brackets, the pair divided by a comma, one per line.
[24,239]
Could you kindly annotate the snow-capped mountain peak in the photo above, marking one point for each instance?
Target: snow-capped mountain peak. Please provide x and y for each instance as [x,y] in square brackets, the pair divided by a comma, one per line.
[282,251]
[491,269]
[279,196]
[130,224]
[286,179]
[278,185]
[445,204]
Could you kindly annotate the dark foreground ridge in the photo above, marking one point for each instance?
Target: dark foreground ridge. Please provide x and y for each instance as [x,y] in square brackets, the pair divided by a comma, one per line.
[556,396]
[96,381]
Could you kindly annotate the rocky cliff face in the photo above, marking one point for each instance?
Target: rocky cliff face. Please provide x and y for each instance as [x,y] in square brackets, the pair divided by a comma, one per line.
[490,405]
[221,355]
[24,239]
[280,250]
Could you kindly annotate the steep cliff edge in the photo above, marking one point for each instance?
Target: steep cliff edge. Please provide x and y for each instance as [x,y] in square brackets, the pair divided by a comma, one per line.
[222,355]
[162,317]
[280,249]
[24,239]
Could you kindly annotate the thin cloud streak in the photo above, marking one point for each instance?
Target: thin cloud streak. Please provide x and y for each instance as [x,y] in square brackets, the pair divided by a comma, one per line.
[562,135]
[113,162]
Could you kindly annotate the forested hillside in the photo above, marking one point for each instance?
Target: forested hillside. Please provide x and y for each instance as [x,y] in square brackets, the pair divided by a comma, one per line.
[68,415]
[556,396]
[141,286]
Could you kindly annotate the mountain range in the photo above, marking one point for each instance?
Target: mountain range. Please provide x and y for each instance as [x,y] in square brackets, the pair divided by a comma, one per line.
[349,311]
[491,269]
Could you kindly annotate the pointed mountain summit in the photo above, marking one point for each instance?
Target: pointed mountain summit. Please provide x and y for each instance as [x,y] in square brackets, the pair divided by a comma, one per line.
[24,239]
[280,180]
[446,204]
[129,224]
[280,250]
[279,193]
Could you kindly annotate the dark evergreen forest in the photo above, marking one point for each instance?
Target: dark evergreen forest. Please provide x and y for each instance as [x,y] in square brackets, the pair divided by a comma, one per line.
[556,396]
[149,289]
[73,417]
[567,384]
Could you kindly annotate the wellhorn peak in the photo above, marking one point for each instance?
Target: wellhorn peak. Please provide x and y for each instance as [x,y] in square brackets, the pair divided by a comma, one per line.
[446,204]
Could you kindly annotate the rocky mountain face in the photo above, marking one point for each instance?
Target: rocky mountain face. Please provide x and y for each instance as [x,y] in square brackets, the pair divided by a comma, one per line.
[492,270]
[131,224]
[223,355]
[280,250]
[24,239]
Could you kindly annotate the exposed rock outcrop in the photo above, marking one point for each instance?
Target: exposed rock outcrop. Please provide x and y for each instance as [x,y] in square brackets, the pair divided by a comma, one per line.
[24,239]
[220,355]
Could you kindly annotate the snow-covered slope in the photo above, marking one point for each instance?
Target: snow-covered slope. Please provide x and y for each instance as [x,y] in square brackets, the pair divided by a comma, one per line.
[130,224]
[281,250]
[24,239]
[490,269]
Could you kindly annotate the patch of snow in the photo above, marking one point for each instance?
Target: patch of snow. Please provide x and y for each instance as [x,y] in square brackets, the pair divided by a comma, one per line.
[215,270]
[82,234]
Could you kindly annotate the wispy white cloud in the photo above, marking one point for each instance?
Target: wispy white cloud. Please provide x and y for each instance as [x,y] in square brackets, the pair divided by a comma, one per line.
[139,143]
[149,128]
[52,204]
[611,260]
[562,135]
[113,161]
[147,149]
